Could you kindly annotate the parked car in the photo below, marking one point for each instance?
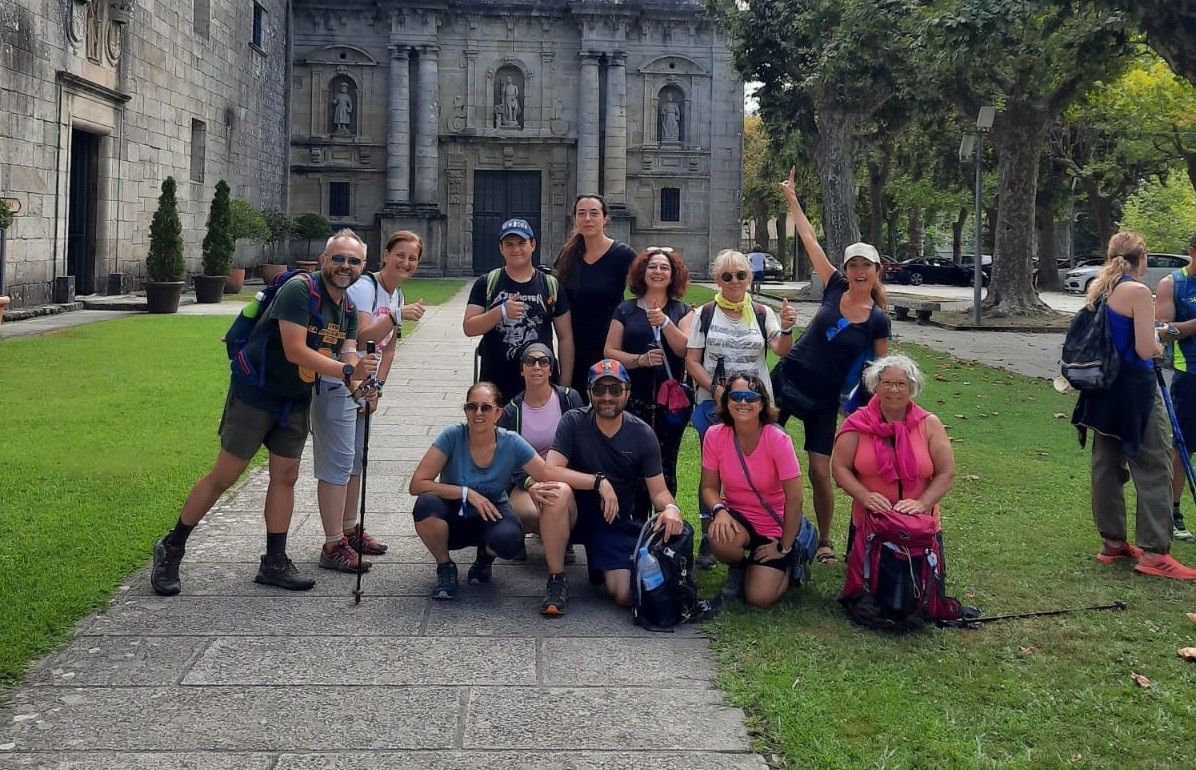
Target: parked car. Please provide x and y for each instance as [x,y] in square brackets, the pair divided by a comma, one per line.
[1157,266]
[773,269]
[986,265]
[933,270]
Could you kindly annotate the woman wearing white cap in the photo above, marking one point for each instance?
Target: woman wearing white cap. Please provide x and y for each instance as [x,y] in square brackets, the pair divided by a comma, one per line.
[850,327]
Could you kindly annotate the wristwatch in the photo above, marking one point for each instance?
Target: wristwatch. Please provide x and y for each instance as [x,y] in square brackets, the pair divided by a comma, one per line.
[782,550]
[598,479]
[347,372]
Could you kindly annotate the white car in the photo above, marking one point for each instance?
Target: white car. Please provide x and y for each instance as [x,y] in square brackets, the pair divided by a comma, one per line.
[1157,267]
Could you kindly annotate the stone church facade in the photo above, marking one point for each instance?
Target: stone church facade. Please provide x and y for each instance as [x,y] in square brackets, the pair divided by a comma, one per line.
[448,117]
[100,100]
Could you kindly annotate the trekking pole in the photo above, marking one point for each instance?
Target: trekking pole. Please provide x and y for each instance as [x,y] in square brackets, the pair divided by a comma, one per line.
[1116,605]
[1180,446]
[370,348]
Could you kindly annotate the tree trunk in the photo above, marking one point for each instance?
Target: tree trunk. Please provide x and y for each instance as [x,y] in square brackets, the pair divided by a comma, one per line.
[1019,134]
[916,233]
[1102,210]
[878,177]
[1044,223]
[1190,164]
[760,215]
[782,251]
[891,228]
[989,229]
[957,234]
[834,159]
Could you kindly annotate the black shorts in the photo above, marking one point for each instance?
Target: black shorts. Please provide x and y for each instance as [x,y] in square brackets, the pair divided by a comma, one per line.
[755,540]
[819,430]
[1183,398]
[244,428]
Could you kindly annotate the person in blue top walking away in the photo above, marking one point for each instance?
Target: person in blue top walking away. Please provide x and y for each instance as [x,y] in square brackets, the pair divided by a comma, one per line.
[1175,305]
[1128,422]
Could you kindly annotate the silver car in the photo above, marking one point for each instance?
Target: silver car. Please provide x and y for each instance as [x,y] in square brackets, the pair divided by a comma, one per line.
[1157,267]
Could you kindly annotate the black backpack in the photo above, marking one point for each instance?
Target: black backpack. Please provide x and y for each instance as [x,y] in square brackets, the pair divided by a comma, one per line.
[676,599]
[1090,362]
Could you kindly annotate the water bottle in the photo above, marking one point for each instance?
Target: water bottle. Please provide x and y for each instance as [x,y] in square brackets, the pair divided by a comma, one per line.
[255,305]
[649,569]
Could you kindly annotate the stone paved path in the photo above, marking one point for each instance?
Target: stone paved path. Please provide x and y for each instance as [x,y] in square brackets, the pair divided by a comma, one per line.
[232,675]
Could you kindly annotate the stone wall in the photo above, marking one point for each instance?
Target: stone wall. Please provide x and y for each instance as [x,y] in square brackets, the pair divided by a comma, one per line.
[135,75]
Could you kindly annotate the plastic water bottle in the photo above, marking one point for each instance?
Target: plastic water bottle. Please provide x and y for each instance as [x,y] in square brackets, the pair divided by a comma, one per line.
[255,305]
[649,569]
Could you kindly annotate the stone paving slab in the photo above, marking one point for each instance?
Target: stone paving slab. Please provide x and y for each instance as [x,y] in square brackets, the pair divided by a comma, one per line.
[589,616]
[158,760]
[627,661]
[116,661]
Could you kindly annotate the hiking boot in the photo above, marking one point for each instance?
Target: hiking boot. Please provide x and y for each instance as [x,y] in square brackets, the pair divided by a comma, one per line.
[1179,531]
[279,570]
[164,577]
[556,596]
[369,543]
[342,558]
[1164,565]
[446,581]
[705,558]
[733,587]
[481,570]
[521,556]
[570,555]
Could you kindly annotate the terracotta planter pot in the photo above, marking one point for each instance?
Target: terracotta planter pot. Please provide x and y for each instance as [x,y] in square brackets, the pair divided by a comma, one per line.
[236,280]
[269,272]
[310,265]
[4,300]
[164,296]
[209,289]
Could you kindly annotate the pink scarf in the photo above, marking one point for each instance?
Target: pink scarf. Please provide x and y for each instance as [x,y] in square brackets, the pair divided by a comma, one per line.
[901,463]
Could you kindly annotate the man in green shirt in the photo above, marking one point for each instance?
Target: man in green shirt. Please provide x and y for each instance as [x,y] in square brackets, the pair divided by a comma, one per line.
[309,329]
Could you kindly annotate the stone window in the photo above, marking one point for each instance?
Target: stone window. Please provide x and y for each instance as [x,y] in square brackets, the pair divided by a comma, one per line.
[199,149]
[201,17]
[338,199]
[259,24]
[670,204]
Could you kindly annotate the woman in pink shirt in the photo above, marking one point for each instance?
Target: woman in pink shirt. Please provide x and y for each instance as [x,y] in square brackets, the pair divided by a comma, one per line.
[752,483]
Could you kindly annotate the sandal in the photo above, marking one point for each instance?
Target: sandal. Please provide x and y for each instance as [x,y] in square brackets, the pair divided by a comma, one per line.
[1126,552]
[825,553]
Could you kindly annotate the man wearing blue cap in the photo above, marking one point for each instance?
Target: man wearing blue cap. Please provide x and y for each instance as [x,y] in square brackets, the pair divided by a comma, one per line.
[513,306]
[604,454]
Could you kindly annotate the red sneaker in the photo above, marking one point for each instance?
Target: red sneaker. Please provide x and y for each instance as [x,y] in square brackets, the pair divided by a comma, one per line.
[342,558]
[369,544]
[1126,552]
[1164,565]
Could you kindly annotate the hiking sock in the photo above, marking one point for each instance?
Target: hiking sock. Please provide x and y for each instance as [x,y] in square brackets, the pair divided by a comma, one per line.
[177,537]
[276,543]
[331,540]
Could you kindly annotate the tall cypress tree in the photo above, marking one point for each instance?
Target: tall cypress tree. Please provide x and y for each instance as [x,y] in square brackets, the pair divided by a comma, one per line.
[165,259]
[218,243]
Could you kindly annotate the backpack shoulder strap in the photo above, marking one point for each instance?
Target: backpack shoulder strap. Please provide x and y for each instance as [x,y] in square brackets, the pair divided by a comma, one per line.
[705,318]
[492,284]
[761,316]
[553,287]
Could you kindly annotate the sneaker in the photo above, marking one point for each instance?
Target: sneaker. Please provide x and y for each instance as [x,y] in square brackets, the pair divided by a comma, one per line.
[570,555]
[369,543]
[1126,552]
[733,587]
[1179,531]
[279,570]
[1164,565]
[343,558]
[481,570]
[164,577]
[522,555]
[446,581]
[556,596]
[705,558]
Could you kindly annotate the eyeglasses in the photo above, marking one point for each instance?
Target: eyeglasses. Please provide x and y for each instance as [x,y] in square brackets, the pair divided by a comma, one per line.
[473,408]
[544,361]
[893,384]
[738,275]
[744,396]
[340,259]
[839,326]
[609,389]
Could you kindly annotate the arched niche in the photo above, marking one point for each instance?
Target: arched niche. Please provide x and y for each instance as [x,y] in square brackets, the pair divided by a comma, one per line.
[671,113]
[344,106]
[506,91]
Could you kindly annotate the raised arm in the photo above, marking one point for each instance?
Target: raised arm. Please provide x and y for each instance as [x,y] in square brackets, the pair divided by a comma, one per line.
[805,230]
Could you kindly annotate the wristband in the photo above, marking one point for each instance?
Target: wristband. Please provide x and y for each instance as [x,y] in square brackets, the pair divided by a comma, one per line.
[782,550]
[528,483]
[719,506]
[464,499]
[787,332]
[674,506]
[598,479]
[503,310]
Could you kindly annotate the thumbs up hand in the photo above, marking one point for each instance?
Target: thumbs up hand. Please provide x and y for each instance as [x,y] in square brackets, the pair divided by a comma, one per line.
[414,311]
[788,314]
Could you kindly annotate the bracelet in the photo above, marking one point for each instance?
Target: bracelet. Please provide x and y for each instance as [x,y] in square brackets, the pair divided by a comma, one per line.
[598,479]
[528,483]
[502,309]
[719,506]
[787,332]
[674,506]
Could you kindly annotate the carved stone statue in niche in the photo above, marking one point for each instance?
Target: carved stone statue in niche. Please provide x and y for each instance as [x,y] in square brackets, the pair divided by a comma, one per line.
[510,103]
[508,98]
[342,110]
[670,118]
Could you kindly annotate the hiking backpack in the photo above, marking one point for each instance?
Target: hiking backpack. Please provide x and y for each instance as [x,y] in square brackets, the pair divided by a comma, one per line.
[1090,362]
[675,600]
[706,317]
[550,280]
[236,339]
[896,574]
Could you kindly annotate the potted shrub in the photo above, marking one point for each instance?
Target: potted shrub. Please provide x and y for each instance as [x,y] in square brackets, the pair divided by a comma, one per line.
[311,227]
[279,226]
[164,263]
[217,249]
[244,222]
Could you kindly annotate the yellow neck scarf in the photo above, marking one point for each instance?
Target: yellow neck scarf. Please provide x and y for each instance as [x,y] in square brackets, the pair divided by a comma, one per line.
[744,306]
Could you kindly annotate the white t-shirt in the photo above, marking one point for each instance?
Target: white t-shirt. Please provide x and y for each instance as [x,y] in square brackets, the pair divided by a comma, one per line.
[742,347]
[369,297]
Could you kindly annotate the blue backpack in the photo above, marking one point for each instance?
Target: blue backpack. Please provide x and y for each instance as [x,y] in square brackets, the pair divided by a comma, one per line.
[236,339]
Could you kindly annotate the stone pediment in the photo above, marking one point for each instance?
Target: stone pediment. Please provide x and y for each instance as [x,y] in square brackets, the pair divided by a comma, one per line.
[672,64]
[341,55]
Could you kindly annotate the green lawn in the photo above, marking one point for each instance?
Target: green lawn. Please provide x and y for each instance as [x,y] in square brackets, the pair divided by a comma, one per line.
[1049,692]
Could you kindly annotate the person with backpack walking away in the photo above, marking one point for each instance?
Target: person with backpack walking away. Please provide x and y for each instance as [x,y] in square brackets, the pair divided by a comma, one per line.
[513,306]
[732,334]
[592,268]
[1128,421]
[535,414]
[308,329]
[338,414]
[1175,306]
[752,482]
[850,327]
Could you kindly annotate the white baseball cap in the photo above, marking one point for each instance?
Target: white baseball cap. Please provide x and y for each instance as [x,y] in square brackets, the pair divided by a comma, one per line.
[861,249]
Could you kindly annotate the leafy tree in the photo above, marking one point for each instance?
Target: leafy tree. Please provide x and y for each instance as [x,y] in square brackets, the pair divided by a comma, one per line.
[1163,213]
[218,243]
[1169,26]
[761,198]
[1031,59]
[247,222]
[5,215]
[164,262]
[311,227]
[279,226]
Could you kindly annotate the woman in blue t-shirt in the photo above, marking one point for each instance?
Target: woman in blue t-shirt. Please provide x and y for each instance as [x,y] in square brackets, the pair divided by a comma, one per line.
[851,327]
[467,505]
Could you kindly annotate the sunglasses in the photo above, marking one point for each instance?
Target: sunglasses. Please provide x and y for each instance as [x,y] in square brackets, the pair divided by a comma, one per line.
[609,389]
[744,396]
[340,259]
[473,408]
[544,361]
[738,275]
[839,326]
[658,250]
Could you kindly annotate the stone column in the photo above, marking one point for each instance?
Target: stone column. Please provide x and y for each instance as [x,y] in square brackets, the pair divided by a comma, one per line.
[398,142]
[615,172]
[587,125]
[427,167]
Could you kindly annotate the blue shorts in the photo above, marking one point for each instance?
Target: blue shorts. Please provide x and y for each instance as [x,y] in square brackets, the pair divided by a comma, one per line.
[1183,398]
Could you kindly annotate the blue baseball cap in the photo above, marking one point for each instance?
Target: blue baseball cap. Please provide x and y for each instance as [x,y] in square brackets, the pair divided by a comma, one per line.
[518,227]
[608,367]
